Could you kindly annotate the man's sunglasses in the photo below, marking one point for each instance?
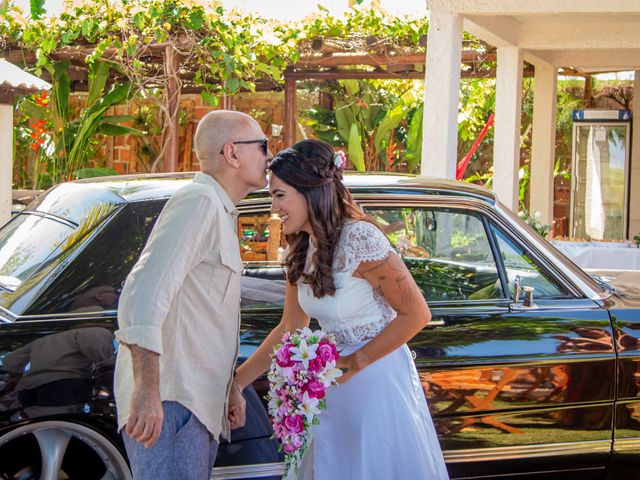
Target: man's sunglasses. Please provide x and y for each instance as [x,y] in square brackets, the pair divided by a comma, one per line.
[264,144]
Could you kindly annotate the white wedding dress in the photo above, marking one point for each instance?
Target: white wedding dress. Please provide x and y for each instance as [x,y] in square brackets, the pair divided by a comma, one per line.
[377,425]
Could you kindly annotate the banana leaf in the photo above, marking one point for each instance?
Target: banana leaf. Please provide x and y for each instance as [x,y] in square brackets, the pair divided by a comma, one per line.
[351,86]
[414,139]
[98,76]
[344,119]
[61,89]
[367,114]
[90,120]
[390,122]
[356,155]
[32,110]
[112,129]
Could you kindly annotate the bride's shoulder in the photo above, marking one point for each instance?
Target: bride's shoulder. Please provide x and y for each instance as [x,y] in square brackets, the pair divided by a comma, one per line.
[361,234]
[361,229]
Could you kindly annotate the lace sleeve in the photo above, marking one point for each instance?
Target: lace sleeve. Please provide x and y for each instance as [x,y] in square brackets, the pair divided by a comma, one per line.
[362,242]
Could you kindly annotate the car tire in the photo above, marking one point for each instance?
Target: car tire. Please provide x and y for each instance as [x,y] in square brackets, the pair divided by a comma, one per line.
[56,450]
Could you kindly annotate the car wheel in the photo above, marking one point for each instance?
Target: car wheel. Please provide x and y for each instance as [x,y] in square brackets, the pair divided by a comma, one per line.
[55,450]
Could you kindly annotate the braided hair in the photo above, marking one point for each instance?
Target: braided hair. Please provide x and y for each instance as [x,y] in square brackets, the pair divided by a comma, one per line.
[315,170]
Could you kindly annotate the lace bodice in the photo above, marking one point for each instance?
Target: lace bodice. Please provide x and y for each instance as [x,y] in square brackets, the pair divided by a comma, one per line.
[355,312]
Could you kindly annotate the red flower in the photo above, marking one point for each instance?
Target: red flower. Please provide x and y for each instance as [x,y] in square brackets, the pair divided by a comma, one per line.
[316,365]
[42,99]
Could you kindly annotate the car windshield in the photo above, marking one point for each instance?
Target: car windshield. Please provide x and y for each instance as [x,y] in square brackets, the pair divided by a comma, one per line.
[25,243]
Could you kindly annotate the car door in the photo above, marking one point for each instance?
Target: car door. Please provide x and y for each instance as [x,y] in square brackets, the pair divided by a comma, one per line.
[252,452]
[512,388]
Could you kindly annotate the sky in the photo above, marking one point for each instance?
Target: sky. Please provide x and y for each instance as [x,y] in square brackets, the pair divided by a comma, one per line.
[284,9]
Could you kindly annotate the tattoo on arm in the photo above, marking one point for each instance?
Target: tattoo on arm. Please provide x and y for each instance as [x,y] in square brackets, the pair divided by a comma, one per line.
[373,268]
[407,291]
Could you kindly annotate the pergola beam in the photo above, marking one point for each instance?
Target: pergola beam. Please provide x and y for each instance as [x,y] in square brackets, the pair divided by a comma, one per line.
[540,7]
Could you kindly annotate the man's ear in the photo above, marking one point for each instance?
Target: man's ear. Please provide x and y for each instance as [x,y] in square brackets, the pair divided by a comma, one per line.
[229,154]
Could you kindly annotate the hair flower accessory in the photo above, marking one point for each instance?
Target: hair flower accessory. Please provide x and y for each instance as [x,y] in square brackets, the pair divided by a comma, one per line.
[340,159]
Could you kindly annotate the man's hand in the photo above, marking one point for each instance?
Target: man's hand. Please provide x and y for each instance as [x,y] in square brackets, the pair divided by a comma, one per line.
[145,416]
[237,407]
[145,413]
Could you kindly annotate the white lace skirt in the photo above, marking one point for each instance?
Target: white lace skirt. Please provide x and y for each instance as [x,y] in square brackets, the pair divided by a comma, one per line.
[376,426]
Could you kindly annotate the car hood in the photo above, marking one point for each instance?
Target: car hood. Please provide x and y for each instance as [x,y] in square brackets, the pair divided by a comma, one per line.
[626,285]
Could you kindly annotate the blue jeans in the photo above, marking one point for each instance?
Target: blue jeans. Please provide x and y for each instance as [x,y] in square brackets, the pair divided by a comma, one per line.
[185,449]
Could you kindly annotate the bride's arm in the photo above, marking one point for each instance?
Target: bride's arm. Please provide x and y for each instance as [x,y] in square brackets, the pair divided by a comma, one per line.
[391,279]
[293,317]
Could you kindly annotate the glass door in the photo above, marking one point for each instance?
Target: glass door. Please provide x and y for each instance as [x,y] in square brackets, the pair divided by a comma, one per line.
[599,186]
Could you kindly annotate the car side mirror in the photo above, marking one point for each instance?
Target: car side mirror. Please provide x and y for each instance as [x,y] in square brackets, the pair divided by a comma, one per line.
[518,291]
[528,297]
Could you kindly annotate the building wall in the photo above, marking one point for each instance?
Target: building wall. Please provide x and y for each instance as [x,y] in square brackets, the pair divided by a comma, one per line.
[133,154]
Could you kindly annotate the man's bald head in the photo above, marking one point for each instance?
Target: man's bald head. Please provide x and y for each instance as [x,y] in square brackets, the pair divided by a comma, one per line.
[217,128]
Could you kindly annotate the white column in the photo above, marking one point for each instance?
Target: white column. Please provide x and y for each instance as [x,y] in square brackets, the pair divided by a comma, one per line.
[543,142]
[634,183]
[6,162]
[506,145]
[442,93]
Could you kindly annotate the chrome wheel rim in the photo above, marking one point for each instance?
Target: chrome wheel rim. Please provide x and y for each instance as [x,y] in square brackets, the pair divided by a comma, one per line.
[53,438]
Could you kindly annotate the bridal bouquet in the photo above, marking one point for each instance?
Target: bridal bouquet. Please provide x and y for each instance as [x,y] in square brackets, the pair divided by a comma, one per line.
[302,368]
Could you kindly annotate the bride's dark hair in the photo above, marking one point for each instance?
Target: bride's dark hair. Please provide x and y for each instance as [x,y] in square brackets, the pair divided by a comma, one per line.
[310,167]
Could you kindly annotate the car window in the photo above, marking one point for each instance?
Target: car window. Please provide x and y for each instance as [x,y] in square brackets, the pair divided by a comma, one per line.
[93,281]
[518,263]
[262,246]
[447,251]
[25,243]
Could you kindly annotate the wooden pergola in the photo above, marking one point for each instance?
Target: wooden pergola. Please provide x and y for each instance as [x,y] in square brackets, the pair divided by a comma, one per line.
[322,59]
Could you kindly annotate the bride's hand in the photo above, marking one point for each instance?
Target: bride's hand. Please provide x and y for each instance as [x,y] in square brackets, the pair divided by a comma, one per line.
[351,364]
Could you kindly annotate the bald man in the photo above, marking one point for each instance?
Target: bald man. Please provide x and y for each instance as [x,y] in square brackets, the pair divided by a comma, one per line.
[179,312]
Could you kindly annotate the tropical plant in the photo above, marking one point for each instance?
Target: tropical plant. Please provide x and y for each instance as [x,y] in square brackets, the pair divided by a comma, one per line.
[379,122]
[74,139]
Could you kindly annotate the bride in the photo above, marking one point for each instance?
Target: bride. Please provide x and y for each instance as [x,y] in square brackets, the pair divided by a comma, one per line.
[342,271]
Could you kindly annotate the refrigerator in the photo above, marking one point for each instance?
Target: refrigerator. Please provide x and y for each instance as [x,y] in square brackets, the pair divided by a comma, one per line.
[600,174]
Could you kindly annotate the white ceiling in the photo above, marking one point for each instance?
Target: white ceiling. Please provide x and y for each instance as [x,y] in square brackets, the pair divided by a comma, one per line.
[586,35]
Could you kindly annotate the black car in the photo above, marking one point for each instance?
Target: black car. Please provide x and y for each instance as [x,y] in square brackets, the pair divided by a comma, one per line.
[529,364]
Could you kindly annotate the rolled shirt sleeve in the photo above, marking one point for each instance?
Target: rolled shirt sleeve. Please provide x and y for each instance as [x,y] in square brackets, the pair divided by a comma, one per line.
[181,236]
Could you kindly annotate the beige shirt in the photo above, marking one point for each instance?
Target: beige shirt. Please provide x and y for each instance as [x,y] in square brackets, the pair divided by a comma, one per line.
[182,301]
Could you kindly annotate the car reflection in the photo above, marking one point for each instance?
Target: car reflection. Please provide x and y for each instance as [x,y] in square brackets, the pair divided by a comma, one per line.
[95,299]
[53,374]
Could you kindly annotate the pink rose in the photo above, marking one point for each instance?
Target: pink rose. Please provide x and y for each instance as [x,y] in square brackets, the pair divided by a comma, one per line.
[292,443]
[279,430]
[315,388]
[316,365]
[294,423]
[327,352]
[283,356]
